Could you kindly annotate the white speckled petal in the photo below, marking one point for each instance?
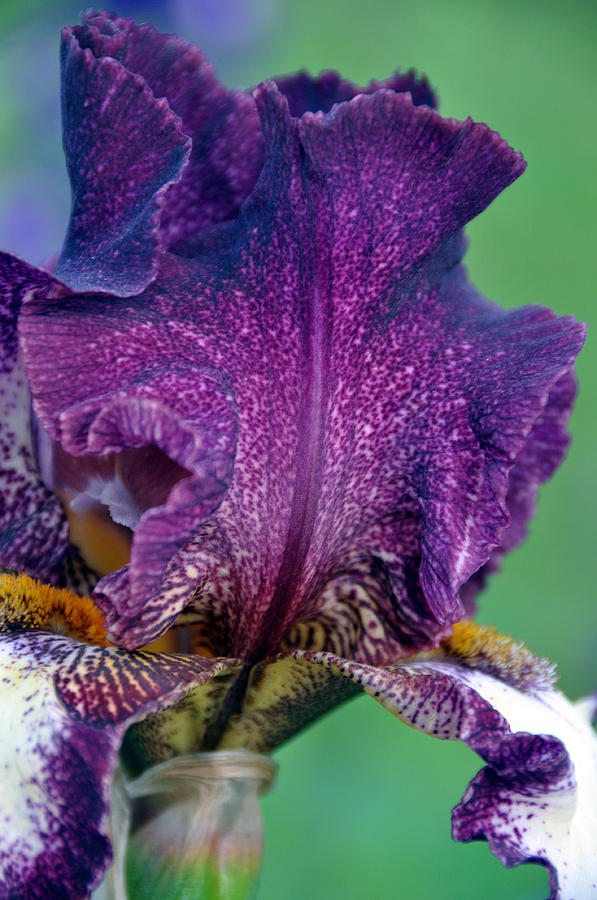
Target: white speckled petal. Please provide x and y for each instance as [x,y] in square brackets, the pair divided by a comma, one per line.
[33,527]
[65,707]
[536,800]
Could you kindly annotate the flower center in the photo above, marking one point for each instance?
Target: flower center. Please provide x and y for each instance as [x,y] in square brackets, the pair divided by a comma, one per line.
[27,604]
[481,647]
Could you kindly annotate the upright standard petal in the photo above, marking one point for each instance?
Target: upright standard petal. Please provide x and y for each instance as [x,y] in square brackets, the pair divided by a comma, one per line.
[319,93]
[543,452]
[66,708]
[227,150]
[124,149]
[227,145]
[381,402]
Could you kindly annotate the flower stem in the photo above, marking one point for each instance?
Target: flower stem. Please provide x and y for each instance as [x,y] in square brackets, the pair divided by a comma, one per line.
[189,828]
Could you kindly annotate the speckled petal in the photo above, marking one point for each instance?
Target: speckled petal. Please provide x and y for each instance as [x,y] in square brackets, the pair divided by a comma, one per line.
[33,527]
[543,452]
[283,696]
[536,800]
[123,149]
[183,410]
[381,401]
[66,707]
[227,148]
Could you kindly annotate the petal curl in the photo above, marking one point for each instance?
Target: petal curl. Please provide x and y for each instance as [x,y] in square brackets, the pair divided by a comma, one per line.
[182,408]
[227,149]
[381,402]
[124,149]
[227,145]
[543,452]
[536,800]
[67,706]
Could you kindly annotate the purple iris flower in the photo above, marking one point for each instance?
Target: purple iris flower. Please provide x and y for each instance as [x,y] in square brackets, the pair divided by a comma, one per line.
[260,397]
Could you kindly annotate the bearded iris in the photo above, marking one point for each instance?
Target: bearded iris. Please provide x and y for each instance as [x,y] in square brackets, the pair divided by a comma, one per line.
[260,366]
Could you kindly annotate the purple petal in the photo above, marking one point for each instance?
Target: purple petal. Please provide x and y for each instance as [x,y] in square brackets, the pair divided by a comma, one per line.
[180,408]
[536,800]
[227,153]
[33,527]
[543,452]
[227,149]
[71,704]
[124,149]
[381,401]
[308,93]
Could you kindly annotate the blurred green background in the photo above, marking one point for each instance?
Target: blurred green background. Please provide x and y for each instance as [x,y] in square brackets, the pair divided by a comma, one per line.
[362,805]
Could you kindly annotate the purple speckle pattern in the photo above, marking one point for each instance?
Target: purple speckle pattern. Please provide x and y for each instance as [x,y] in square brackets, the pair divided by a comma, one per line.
[269,290]
[227,145]
[380,401]
[118,184]
[67,706]
[543,452]
[536,800]
[227,149]
[33,527]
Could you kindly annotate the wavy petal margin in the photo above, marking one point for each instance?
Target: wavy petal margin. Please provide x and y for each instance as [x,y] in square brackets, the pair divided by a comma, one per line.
[381,402]
[536,800]
[319,93]
[227,146]
[124,149]
[226,151]
[66,708]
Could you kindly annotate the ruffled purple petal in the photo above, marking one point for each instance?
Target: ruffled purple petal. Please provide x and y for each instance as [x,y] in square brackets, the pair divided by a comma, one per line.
[227,146]
[33,527]
[541,455]
[67,706]
[124,149]
[227,149]
[381,402]
[313,93]
[536,799]
[183,409]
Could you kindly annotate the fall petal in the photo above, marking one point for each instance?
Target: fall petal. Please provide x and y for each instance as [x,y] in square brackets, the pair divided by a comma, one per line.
[123,149]
[33,527]
[182,728]
[69,705]
[535,801]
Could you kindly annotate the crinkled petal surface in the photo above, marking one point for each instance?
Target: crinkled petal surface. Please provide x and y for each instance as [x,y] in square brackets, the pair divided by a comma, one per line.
[123,149]
[227,148]
[66,707]
[536,799]
[227,145]
[380,402]
[544,450]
